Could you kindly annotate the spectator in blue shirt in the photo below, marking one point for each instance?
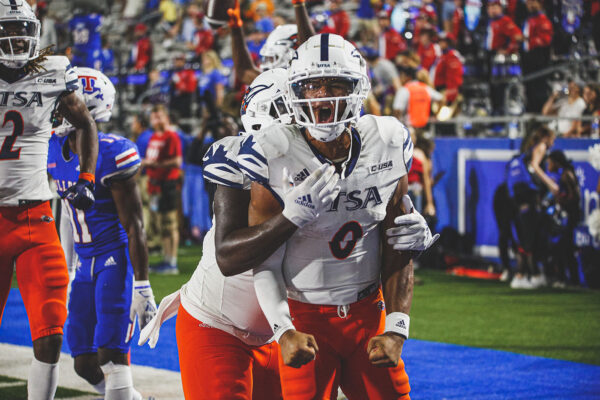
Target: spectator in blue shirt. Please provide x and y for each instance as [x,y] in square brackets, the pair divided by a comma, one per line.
[211,83]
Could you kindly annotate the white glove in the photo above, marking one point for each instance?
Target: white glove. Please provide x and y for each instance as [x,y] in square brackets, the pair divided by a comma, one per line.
[142,305]
[304,203]
[411,232]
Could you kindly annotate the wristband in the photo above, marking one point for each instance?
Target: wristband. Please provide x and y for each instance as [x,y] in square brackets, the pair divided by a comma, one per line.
[141,284]
[397,322]
[280,330]
[298,2]
[87,176]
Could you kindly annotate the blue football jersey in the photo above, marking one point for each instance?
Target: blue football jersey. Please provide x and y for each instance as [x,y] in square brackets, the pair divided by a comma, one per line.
[87,43]
[96,230]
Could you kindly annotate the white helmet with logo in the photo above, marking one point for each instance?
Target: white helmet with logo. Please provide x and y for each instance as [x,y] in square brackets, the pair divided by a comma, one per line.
[327,84]
[265,102]
[19,33]
[279,47]
[98,94]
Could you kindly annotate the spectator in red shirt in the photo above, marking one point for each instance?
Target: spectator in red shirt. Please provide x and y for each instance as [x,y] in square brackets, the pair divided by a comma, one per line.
[391,43]
[163,166]
[503,35]
[339,21]
[537,34]
[203,38]
[503,38]
[428,51]
[141,53]
[448,76]
[183,87]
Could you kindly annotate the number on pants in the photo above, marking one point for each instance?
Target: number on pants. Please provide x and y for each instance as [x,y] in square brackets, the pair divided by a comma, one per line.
[335,245]
[6,151]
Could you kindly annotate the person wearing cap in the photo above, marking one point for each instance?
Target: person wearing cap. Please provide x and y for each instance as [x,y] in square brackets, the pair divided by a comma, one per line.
[141,53]
[448,73]
[428,51]
[391,42]
[503,34]
[537,33]
[412,103]
[339,21]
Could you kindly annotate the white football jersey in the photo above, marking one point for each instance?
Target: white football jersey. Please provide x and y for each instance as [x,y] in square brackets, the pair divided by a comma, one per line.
[26,108]
[226,303]
[335,259]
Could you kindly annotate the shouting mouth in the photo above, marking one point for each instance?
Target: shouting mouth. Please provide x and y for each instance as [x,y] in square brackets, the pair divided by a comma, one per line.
[325,113]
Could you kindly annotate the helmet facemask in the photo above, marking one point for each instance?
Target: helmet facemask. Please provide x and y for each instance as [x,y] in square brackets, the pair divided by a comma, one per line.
[19,42]
[326,104]
[277,56]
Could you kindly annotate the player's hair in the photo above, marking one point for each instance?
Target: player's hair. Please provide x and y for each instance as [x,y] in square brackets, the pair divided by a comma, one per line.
[35,65]
[540,133]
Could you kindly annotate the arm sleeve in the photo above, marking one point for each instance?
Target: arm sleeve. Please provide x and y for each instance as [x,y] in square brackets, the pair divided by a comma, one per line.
[401,99]
[272,295]
[435,95]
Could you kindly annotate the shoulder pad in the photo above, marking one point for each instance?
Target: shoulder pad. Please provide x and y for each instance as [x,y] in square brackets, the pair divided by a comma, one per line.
[219,164]
[120,158]
[274,141]
[56,63]
[392,131]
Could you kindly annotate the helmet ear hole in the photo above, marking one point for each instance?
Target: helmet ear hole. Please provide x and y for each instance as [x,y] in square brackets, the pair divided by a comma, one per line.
[256,127]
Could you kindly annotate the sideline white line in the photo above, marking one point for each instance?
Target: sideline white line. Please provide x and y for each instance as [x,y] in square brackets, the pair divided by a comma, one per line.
[159,383]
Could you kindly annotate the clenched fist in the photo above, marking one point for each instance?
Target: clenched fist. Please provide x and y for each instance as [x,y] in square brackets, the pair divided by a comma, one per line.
[297,348]
[385,349]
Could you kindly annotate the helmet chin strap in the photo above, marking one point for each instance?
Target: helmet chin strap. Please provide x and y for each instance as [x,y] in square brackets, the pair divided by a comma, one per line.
[327,134]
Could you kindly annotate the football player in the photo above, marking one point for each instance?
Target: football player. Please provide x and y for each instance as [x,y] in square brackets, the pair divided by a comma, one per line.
[110,243]
[32,85]
[277,50]
[223,339]
[339,283]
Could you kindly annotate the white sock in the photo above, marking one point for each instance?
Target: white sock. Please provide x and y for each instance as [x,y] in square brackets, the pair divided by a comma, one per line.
[119,384]
[42,381]
[100,386]
[171,260]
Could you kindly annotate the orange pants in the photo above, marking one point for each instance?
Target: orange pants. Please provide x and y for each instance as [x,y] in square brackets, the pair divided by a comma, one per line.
[342,359]
[218,366]
[28,238]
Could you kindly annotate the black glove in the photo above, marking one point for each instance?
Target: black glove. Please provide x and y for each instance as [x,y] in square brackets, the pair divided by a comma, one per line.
[81,194]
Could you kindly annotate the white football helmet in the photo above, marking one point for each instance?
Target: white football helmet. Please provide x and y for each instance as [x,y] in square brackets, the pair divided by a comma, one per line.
[327,84]
[265,101]
[279,47]
[98,93]
[19,33]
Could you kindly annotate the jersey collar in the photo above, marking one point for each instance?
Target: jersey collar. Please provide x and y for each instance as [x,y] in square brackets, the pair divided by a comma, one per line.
[349,164]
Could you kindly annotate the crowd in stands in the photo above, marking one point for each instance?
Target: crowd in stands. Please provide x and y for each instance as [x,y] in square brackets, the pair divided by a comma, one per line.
[428,60]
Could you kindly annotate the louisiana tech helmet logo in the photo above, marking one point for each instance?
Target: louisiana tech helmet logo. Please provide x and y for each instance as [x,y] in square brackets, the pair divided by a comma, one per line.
[88,85]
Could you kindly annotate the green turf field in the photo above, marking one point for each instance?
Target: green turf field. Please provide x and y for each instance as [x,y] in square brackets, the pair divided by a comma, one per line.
[13,389]
[562,324]
[553,323]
